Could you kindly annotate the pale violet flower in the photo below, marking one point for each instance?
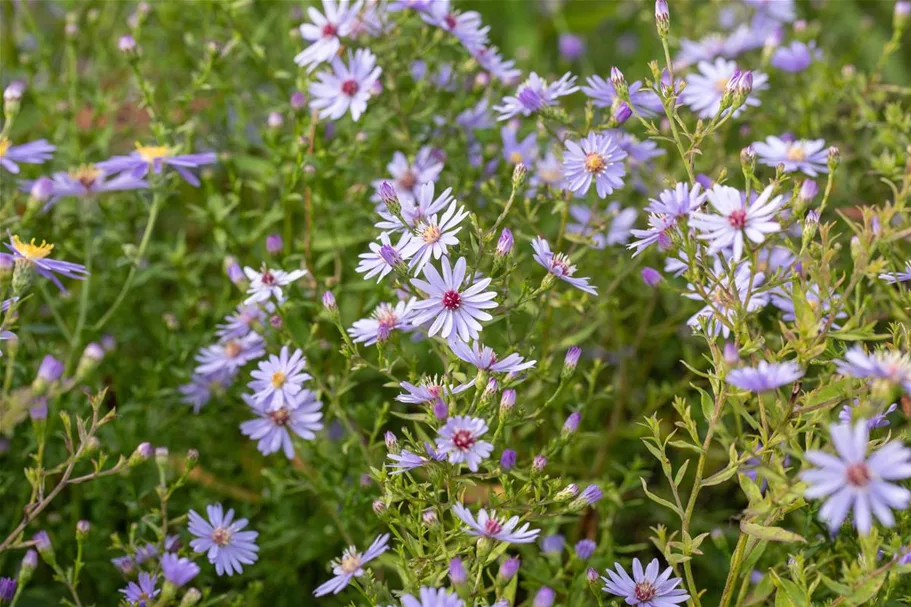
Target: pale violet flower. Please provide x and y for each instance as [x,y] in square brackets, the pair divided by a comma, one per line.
[326,30]
[302,416]
[534,94]
[454,305]
[603,94]
[597,158]
[230,355]
[559,265]
[433,597]
[346,87]
[485,359]
[735,219]
[704,90]
[890,366]
[805,155]
[646,588]
[433,236]
[279,380]
[489,526]
[351,565]
[901,276]
[407,176]
[267,284]
[459,440]
[385,319]
[422,207]
[765,376]
[223,540]
[382,257]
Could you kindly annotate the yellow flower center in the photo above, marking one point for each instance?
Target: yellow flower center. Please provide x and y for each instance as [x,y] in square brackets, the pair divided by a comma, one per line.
[151,153]
[515,157]
[721,84]
[796,153]
[4,145]
[278,379]
[594,163]
[351,560]
[431,234]
[32,251]
[87,174]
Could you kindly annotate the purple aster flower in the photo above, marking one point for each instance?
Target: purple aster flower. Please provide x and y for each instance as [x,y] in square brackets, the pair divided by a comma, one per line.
[178,570]
[485,359]
[429,391]
[50,369]
[490,59]
[591,223]
[765,376]
[7,589]
[544,597]
[229,356]
[141,593]
[658,232]
[35,152]
[279,380]
[679,202]
[124,563]
[704,90]
[602,92]
[301,414]
[737,219]
[453,304]
[241,322]
[598,158]
[413,212]
[534,94]
[86,182]
[433,597]
[466,26]
[459,440]
[552,544]
[879,420]
[559,265]
[406,460]
[651,276]
[36,256]
[571,47]
[433,236]
[515,151]
[383,257]
[794,58]
[851,479]
[548,171]
[585,548]
[227,546]
[147,552]
[488,525]
[805,155]
[894,277]
[408,176]
[325,31]
[155,157]
[347,87]
[782,11]
[475,118]
[891,366]
[384,320]
[202,387]
[742,39]
[351,566]
[508,459]
[646,588]
[267,284]
[729,290]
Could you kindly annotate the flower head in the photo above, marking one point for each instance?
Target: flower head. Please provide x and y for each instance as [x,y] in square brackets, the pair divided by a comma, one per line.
[433,597]
[86,181]
[535,94]
[705,90]
[796,57]
[488,525]
[141,593]
[465,26]
[515,151]
[765,376]
[890,366]
[559,265]
[268,283]
[894,277]
[222,538]
[602,92]
[454,304]
[459,440]
[433,236]
[301,414]
[735,219]
[35,152]
[485,359]
[646,588]
[805,155]
[596,158]
[385,319]
[346,87]
[879,420]
[155,157]
[230,355]
[279,380]
[351,565]
[38,257]
[178,570]
[326,31]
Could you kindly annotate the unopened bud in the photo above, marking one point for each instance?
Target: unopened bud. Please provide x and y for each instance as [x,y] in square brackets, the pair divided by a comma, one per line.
[571,425]
[27,568]
[379,507]
[508,459]
[392,443]
[429,517]
[274,244]
[570,491]
[329,302]
[570,361]
[161,456]
[651,276]
[507,400]
[13,92]
[621,113]
[505,243]
[662,18]
[519,173]
[544,597]
[619,82]
[190,598]
[538,463]
[457,573]
[901,15]
[591,574]
[142,453]
[833,158]
[127,44]
[748,158]
[298,100]
[731,354]
[275,120]
[390,198]
[7,589]
[83,527]
[42,543]
[508,569]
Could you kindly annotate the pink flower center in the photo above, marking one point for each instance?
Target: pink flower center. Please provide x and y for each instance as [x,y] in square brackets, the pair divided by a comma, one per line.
[268,278]
[350,87]
[858,474]
[408,180]
[738,219]
[492,527]
[329,30]
[560,265]
[452,300]
[644,591]
[450,21]
[280,417]
[462,439]
[435,390]
[221,536]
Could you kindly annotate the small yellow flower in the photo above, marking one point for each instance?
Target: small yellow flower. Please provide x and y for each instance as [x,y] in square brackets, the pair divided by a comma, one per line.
[32,251]
[151,153]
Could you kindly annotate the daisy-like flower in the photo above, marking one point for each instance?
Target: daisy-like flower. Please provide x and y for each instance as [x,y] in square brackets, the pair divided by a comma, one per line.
[678,202]
[515,151]
[728,296]
[459,440]
[87,181]
[890,366]
[454,305]
[407,177]
[382,257]
[347,87]
[433,236]
[853,480]
[591,223]
[534,94]
[229,356]
[765,376]
[301,415]
[35,152]
[279,380]
[736,219]
[596,158]
[742,39]
[351,565]
[466,26]
[433,597]
[879,420]
[485,359]
[241,322]
[475,118]
[805,155]
[406,460]
[646,588]
[155,157]
[177,570]
[385,319]
[894,277]
[488,525]
[414,212]
[202,387]
[222,539]
[36,257]
[795,57]
[268,283]
[490,59]
[659,228]
[141,593]
[430,390]
[326,31]
[548,171]
[559,265]
[704,90]
[603,94]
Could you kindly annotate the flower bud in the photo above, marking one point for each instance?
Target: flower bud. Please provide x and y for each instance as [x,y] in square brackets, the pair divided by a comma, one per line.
[190,598]
[27,568]
[142,453]
[457,573]
[45,549]
[49,372]
[748,158]
[379,507]
[651,276]
[662,18]
[192,458]
[507,400]
[731,354]
[507,459]
[161,456]
[38,411]
[83,527]
[429,517]
[544,597]
[808,191]
[585,548]
[490,390]
[13,92]
[901,14]
[538,463]
[390,198]
[274,244]
[572,423]
[505,243]
[42,190]
[589,496]
[298,100]
[833,158]
[91,357]
[7,589]
[621,113]
[570,361]
[392,443]
[329,302]
[127,44]
[619,82]
[235,273]
[519,173]
[591,574]
[570,491]
[810,225]
[508,569]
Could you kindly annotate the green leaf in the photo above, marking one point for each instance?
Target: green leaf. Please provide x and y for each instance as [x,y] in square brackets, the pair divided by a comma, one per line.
[659,500]
[866,591]
[719,477]
[772,534]
[680,444]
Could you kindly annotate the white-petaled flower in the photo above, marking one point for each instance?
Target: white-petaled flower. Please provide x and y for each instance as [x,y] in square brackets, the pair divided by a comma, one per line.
[230,355]
[454,305]
[430,390]
[351,565]
[853,480]
[279,380]
[382,257]
[459,440]
[736,219]
[268,283]
[407,177]
[485,359]
[704,90]
[597,157]
[766,376]
[535,94]
[385,319]
[326,31]
[559,265]
[424,206]
[646,588]
[432,237]
[806,155]
[270,429]
[890,366]
[433,597]
[488,525]
[346,87]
